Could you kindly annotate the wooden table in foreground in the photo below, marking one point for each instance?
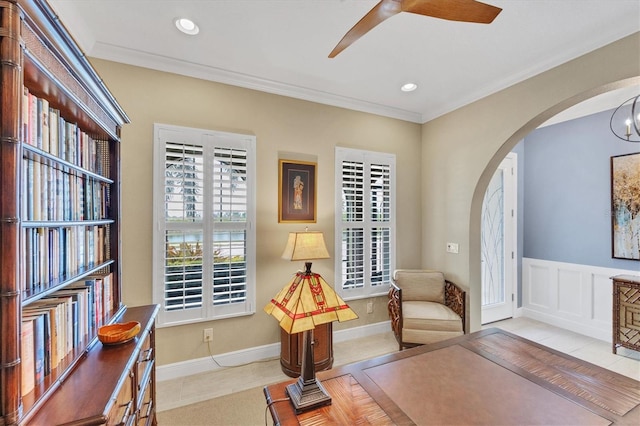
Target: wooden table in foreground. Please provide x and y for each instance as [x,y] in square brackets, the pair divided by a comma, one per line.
[488,377]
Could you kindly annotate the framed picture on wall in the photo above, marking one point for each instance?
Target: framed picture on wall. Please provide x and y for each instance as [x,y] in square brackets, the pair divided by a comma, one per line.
[625,206]
[297,191]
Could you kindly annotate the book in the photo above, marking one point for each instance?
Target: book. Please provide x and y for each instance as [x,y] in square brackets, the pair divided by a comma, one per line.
[54,119]
[44,123]
[33,120]
[89,285]
[59,210]
[28,260]
[48,309]
[37,191]
[38,348]
[27,356]
[38,119]
[25,115]
[44,191]
[29,193]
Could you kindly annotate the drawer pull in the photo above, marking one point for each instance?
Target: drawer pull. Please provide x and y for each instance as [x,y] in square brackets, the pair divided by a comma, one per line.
[147,355]
[149,409]
[127,412]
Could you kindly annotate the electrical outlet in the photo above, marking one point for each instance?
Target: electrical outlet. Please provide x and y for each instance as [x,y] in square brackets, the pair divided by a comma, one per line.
[370,307]
[452,248]
[208,335]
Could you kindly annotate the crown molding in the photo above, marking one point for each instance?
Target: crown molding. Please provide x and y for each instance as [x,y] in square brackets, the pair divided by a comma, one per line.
[546,63]
[190,69]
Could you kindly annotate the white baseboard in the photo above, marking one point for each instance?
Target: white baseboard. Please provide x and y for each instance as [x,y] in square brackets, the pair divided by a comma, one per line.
[257,353]
[576,327]
[362,331]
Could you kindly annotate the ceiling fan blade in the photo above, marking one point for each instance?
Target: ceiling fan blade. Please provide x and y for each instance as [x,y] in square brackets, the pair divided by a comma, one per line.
[383,10]
[453,10]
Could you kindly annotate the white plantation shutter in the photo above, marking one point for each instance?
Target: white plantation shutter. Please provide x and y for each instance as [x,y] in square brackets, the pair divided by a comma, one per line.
[380,211]
[230,204]
[204,208]
[353,266]
[183,182]
[365,222]
[230,193]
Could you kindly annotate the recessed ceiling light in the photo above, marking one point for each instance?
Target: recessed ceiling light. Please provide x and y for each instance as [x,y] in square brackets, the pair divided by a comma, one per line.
[187,26]
[409,87]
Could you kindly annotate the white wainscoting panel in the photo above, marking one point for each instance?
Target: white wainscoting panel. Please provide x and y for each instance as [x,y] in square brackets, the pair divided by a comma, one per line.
[540,294]
[602,289]
[572,296]
[570,293]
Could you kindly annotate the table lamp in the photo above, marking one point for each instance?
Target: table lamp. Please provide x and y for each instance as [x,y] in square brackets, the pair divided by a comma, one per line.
[306,301]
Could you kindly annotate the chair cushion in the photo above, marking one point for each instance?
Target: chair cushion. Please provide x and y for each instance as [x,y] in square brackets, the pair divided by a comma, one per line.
[425,337]
[430,316]
[421,285]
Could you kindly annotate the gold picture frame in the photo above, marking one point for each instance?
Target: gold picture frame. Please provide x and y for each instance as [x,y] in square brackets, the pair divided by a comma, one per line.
[296,191]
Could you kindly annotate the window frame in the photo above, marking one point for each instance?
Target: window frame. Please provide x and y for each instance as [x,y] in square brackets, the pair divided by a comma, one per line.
[367,158]
[210,140]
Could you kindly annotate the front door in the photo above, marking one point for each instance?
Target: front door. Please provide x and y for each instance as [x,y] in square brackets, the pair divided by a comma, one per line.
[499,243]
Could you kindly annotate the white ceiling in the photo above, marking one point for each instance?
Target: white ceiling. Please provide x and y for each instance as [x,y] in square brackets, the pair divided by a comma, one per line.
[281,46]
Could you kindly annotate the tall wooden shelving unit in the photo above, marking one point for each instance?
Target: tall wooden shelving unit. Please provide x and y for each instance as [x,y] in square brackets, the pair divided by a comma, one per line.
[37,53]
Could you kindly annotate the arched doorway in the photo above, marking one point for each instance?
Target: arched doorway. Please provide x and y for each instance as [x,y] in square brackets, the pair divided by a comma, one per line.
[475,264]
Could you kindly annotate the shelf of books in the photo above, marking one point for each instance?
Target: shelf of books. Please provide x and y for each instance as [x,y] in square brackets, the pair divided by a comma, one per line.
[65,203]
[59,206]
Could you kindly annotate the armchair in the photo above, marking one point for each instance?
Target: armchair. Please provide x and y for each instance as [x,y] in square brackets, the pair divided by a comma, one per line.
[424,307]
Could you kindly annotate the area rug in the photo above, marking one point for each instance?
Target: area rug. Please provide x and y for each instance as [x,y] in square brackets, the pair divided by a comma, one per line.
[246,408]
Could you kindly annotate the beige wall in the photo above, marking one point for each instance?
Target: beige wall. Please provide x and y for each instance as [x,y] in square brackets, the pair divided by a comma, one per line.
[461,150]
[448,160]
[281,125]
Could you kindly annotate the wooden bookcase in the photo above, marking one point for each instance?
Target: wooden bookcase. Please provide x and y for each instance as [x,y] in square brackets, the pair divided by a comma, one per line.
[60,270]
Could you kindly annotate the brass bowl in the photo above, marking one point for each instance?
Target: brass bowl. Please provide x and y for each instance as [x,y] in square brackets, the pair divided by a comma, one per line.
[116,333]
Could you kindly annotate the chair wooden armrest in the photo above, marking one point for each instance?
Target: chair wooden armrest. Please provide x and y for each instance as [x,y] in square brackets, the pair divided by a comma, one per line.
[394,306]
[454,298]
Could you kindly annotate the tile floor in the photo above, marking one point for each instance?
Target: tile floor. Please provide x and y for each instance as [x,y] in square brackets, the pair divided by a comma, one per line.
[191,389]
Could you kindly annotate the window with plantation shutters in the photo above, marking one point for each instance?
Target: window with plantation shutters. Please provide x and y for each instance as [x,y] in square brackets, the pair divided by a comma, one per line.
[365,222]
[204,210]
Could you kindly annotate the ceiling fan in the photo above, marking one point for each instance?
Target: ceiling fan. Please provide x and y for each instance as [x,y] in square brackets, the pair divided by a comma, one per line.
[452,10]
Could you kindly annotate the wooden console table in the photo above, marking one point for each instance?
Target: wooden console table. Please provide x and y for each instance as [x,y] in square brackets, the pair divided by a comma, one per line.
[487,377]
[626,312]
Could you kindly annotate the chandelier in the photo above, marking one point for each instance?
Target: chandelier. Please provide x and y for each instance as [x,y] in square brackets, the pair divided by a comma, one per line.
[625,120]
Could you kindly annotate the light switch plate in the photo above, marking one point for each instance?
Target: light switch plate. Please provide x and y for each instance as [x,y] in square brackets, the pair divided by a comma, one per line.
[452,248]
